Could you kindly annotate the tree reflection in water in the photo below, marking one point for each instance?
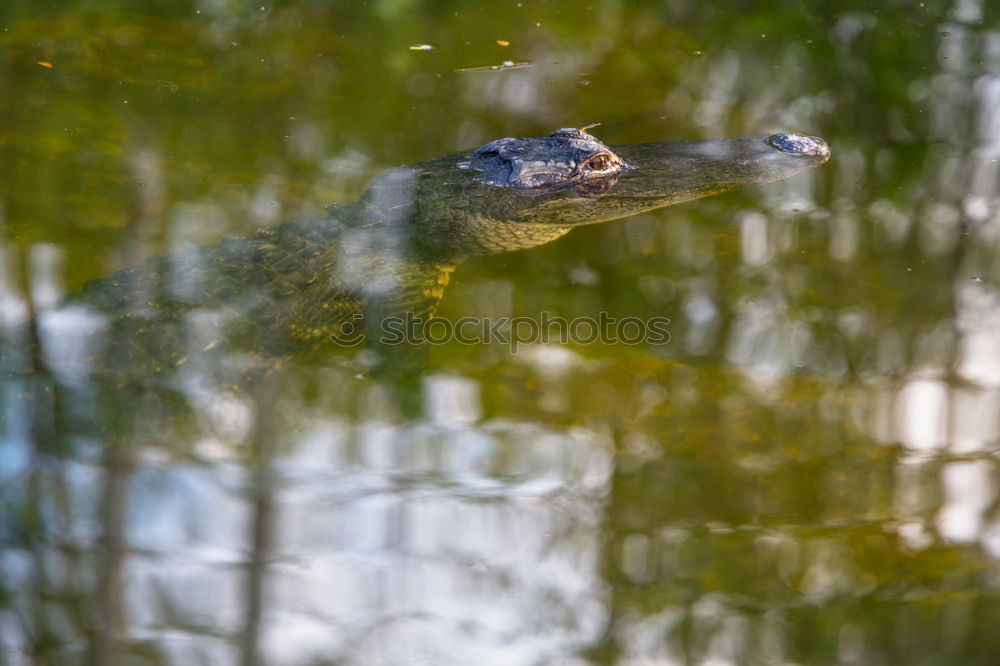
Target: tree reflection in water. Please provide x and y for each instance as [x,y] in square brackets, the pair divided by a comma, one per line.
[806,474]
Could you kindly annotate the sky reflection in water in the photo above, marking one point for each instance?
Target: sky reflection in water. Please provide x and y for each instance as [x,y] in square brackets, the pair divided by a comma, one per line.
[805,474]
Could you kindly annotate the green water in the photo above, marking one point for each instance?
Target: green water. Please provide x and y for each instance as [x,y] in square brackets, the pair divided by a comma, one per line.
[806,473]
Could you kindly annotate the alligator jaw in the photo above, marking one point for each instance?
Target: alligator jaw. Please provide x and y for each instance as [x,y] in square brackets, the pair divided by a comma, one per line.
[669,173]
[673,172]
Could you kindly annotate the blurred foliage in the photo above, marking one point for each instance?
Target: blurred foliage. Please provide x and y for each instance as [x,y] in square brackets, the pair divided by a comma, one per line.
[763,498]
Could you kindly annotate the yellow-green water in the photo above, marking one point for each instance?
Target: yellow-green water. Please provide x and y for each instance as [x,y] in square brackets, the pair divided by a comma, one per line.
[806,473]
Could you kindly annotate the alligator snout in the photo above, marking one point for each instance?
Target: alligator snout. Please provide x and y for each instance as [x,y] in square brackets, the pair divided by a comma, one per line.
[799,144]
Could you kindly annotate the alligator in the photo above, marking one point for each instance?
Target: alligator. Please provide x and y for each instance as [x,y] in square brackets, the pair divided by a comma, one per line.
[300,286]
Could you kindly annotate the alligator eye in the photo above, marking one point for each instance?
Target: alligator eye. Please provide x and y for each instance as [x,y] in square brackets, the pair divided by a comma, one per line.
[599,162]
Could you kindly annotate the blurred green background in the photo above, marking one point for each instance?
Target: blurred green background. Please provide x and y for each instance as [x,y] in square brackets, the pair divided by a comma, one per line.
[806,474]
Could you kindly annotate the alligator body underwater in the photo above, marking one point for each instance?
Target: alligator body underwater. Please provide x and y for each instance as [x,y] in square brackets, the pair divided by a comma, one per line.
[300,285]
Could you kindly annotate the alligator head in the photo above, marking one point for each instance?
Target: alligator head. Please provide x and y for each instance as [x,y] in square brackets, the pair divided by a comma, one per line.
[511,194]
[567,159]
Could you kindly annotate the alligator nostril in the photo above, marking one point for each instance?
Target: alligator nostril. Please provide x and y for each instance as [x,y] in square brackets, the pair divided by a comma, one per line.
[799,144]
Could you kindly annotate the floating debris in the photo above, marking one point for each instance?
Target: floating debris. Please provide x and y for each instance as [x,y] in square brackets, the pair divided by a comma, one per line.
[503,42]
[47,65]
[506,64]
[169,86]
[422,47]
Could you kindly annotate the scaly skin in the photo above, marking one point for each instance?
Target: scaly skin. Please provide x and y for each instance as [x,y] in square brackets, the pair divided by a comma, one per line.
[285,290]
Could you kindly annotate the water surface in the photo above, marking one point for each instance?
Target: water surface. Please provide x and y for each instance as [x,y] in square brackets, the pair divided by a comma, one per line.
[806,473]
